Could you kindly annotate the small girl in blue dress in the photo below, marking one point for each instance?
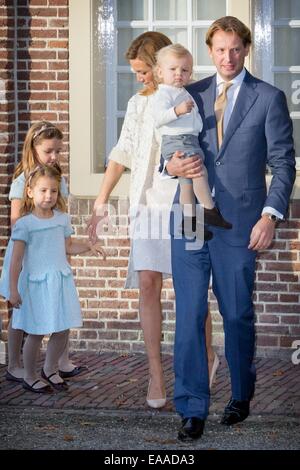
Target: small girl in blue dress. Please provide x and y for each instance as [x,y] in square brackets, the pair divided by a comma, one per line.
[42,146]
[40,284]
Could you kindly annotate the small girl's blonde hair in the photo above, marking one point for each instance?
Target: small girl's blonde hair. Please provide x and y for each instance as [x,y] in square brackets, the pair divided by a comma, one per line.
[27,204]
[39,131]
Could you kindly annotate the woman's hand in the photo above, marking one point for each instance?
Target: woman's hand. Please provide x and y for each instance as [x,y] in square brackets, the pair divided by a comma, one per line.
[112,175]
[97,249]
[190,167]
[99,215]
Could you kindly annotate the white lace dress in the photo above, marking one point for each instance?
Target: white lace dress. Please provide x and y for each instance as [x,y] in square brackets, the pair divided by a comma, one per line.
[138,149]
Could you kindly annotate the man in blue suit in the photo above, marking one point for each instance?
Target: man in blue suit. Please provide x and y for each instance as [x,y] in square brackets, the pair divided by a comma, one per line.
[257,131]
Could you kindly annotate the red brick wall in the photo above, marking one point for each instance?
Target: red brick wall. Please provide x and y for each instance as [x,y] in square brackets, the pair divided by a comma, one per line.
[7,122]
[39,76]
[277,291]
[111,313]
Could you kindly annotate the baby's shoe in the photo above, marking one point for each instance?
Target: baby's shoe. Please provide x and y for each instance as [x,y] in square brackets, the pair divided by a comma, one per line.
[214,217]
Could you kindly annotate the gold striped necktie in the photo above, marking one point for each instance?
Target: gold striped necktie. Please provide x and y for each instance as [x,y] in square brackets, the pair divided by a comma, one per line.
[220,105]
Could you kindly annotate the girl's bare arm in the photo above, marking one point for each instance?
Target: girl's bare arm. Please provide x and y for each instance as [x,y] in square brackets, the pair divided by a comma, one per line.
[14,272]
[15,210]
[77,247]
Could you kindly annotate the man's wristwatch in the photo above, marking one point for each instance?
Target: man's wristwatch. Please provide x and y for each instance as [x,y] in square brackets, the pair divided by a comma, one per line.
[272,217]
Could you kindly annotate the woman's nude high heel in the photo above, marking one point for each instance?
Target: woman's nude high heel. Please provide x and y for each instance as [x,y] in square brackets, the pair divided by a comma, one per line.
[155,402]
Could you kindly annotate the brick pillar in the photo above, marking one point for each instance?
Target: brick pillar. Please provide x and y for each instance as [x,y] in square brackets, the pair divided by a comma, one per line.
[41,73]
[7,129]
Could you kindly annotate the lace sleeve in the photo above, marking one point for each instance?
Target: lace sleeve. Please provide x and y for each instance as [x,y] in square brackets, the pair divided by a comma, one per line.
[124,150]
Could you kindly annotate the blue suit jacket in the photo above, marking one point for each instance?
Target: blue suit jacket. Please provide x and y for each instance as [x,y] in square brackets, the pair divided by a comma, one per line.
[259,132]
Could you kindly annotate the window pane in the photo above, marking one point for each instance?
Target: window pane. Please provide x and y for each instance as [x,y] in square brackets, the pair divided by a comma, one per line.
[130,10]
[127,87]
[103,44]
[261,52]
[286,46]
[125,37]
[208,10]
[170,10]
[290,84]
[287,9]
[201,56]
[200,75]
[175,35]
[99,114]
[279,46]
[120,124]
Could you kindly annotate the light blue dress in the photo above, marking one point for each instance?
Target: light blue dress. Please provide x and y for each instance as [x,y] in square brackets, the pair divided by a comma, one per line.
[49,298]
[17,192]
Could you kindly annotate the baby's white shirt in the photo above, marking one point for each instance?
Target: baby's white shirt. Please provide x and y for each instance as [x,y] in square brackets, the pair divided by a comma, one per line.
[167,122]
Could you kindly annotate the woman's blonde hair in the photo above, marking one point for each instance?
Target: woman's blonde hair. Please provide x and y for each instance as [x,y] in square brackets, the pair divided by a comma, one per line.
[36,134]
[144,48]
[27,204]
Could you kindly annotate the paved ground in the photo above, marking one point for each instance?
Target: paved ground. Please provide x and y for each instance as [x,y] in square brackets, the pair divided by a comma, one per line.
[105,408]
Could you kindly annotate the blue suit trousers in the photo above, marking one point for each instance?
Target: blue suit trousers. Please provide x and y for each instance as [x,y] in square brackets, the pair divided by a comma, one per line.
[233,272]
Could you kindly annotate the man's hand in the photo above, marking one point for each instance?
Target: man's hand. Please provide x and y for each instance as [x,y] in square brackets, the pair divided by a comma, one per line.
[190,167]
[262,234]
[184,107]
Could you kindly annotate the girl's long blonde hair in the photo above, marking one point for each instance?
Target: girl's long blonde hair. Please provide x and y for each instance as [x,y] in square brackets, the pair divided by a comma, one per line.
[37,132]
[27,204]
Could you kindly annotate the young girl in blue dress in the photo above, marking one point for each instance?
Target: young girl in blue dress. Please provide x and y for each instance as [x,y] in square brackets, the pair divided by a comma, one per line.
[40,284]
[42,145]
